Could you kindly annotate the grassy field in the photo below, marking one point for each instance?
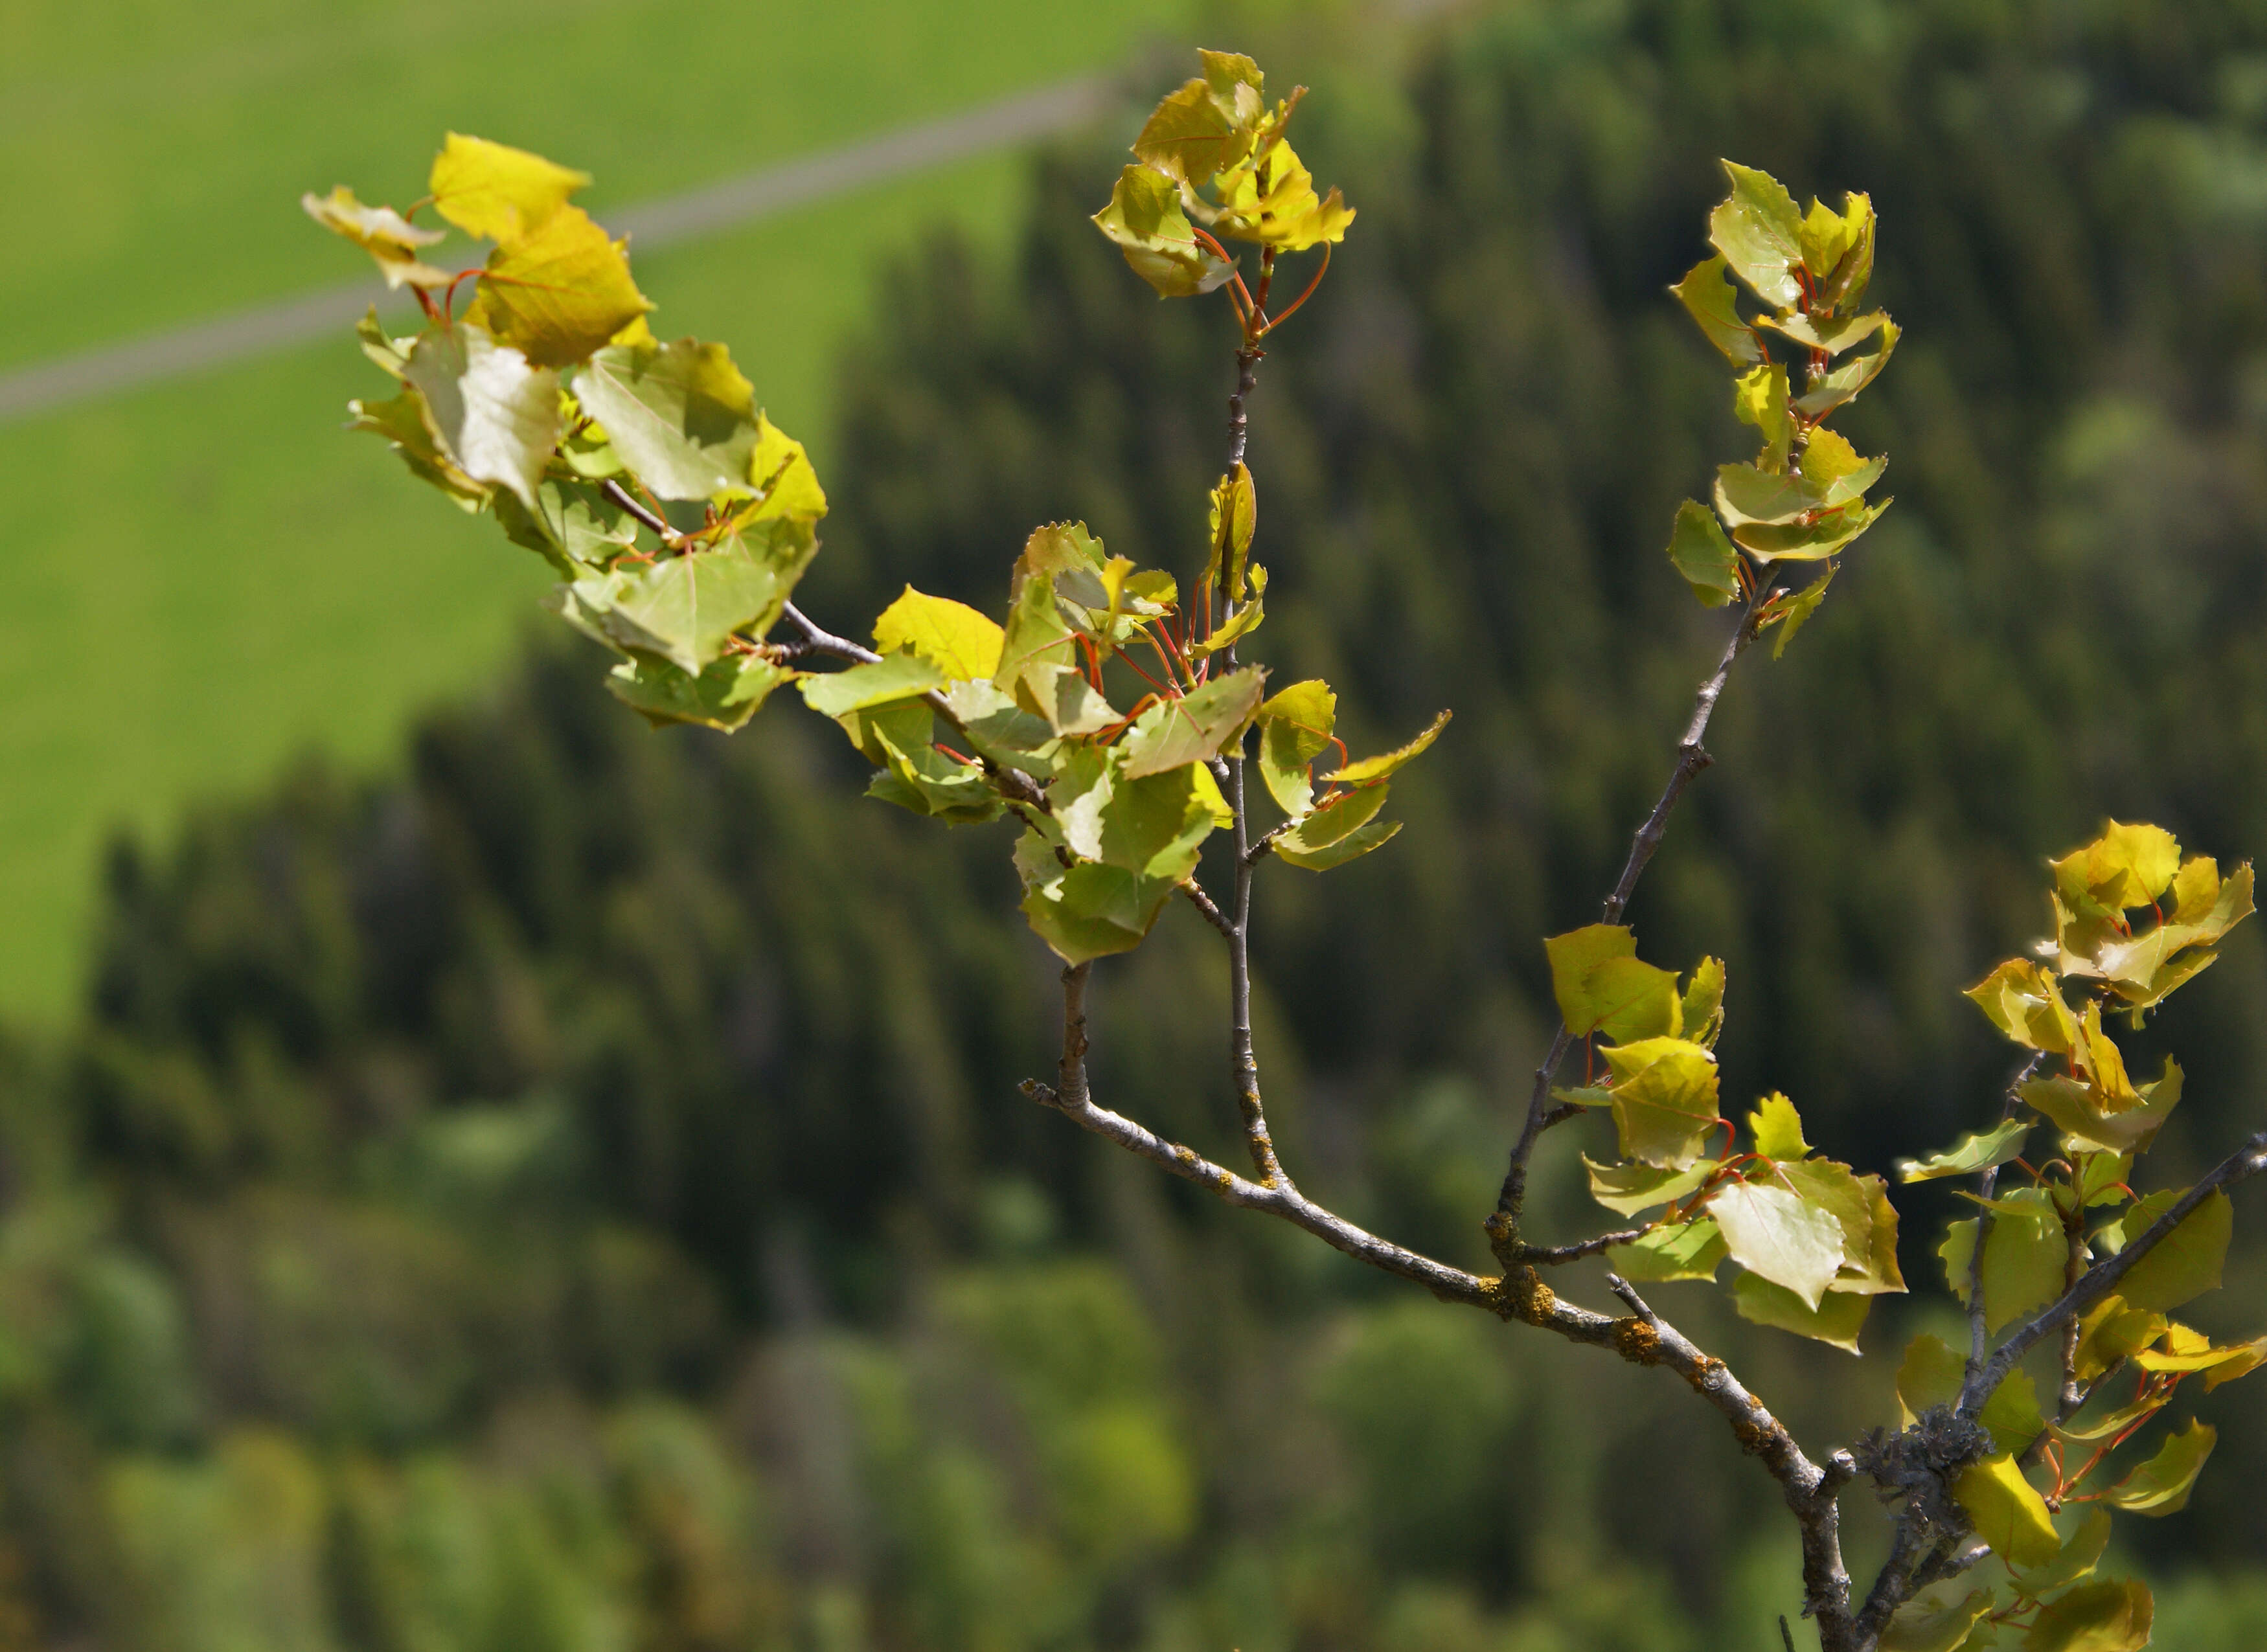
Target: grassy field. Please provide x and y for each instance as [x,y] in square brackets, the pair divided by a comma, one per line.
[207,577]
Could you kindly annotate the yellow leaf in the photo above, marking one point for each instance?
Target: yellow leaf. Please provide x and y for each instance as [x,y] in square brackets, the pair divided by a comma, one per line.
[2008,1513]
[493,190]
[559,292]
[953,637]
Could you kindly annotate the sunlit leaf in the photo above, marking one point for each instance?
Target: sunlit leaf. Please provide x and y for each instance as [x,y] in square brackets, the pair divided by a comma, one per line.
[1780,1236]
[1269,197]
[1573,956]
[1976,1152]
[1196,727]
[2024,1260]
[1664,1099]
[1776,1129]
[1144,217]
[2008,1512]
[1843,384]
[1792,612]
[492,190]
[1835,336]
[725,695]
[2162,1485]
[1759,231]
[1703,1016]
[2081,1553]
[1627,1189]
[1341,829]
[683,608]
[1208,124]
[2023,1001]
[496,417]
[383,233]
[2113,1330]
[1296,725]
[681,415]
[1372,769]
[897,676]
[2078,1110]
[559,292]
[951,636]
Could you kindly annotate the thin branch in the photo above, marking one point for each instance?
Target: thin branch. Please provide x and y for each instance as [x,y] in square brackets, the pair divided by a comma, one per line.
[1205,904]
[1552,1255]
[1264,843]
[2100,1280]
[827,642]
[1691,758]
[629,502]
[1987,1182]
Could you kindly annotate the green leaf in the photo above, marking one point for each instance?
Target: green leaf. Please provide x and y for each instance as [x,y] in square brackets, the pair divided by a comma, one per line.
[1860,1206]
[2162,1485]
[2008,1512]
[558,292]
[953,637]
[1087,910]
[1683,1250]
[1573,956]
[1971,1154]
[1843,291]
[1749,493]
[1627,1189]
[1790,613]
[497,191]
[1240,623]
[1664,1099]
[1834,337]
[1635,1000]
[1144,217]
[1759,399]
[1776,1128]
[1843,384]
[1377,768]
[1339,831]
[1151,825]
[1780,1236]
[1699,550]
[1834,471]
[725,695]
[1836,1321]
[2111,1615]
[383,233]
[680,415]
[1933,1373]
[2112,1330]
[683,608]
[2081,1553]
[1814,538]
[897,676]
[496,417]
[1195,727]
[1936,1620]
[1759,231]
[2186,1263]
[574,525]
[1713,302]
[1296,725]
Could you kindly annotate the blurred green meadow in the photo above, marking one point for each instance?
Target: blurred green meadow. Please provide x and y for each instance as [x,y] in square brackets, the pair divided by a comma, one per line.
[208,575]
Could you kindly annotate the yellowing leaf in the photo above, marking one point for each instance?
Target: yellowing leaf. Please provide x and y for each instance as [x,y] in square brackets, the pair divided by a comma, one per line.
[2023,1001]
[683,608]
[1270,198]
[492,190]
[1844,383]
[2113,1330]
[1573,956]
[1777,1129]
[2109,1615]
[1703,1002]
[953,637]
[2081,1553]
[1835,1320]
[1235,517]
[1792,612]
[1372,769]
[781,471]
[2162,1485]
[2127,866]
[1936,1620]
[2008,1512]
[383,233]
[1296,725]
[1759,399]
[896,677]
[1144,217]
[1634,1000]
[496,417]
[559,292]
[1714,304]
[681,415]
[1208,124]
[2216,1365]
[1664,1099]
[1339,831]
[2186,1263]
[1777,1234]
[2080,1112]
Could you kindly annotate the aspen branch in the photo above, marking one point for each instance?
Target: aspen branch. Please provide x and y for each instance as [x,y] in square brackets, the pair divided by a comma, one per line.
[1691,758]
[2100,1280]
